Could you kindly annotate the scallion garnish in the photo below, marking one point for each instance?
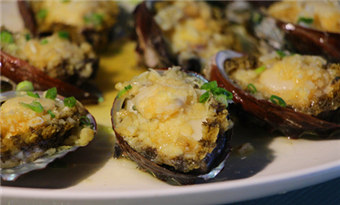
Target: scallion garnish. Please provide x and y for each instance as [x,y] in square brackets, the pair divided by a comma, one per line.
[51,113]
[277,100]
[51,93]
[280,53]
[70,101]
[220,94]
[259,70]
[6,37]
[251,88]
[63,34]
[305,20]
[85,121]
[44,41]
[25,86]
[35,106]
[94,19]
[42,13]
[65,1]
[204,97]
[27,36]
[32,94]
[122,92]
[101,99]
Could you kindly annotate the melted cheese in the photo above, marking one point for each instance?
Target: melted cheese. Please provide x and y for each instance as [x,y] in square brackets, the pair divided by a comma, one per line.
[168,116]
[298,80]
[326,14]
[16,118]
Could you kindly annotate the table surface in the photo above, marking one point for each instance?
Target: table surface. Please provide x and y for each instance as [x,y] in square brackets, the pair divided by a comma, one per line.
[323,193]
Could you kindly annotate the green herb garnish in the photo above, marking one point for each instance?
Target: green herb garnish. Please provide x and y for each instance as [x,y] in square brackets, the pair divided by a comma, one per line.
[65,1]
[51,93]
[251,88]
[70,101]
[51,113]
[280,53]
[63,34]
[44,41]
[35,106]
[260,69]
[101,99]
[94,19]
[256,17]
[277,100]
[32,94]
[220,94]
[25,86]
[42,13]
[85,121]
[27,36]
[305,20]
[6,37]
[204,97]
[122,92]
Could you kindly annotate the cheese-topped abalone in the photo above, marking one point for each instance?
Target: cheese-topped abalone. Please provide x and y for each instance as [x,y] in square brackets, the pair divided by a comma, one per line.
[306,83]
[194,29]
[55,55]
[95,15]
[322,15]
[30,126]
[163,119]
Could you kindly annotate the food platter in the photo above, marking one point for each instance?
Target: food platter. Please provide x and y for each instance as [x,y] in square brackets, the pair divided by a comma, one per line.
[92,176]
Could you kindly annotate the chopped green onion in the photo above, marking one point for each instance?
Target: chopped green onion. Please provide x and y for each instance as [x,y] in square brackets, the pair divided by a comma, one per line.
[27,36]
[42,13]
[35,106]
[209,85]
[204,97]
[251,88]
[101,99]
[51,113]
[280,53]
[70,101]
[25,86]
[51,93]
[63,34]
[44,41]
[222,99]
[256,18]
[85,121]
[305,20]
[220,94]
[278,101]
[260,69]
[134,107]
[94,19]
[65,1]
[6,37]
[32,94]
[122,92]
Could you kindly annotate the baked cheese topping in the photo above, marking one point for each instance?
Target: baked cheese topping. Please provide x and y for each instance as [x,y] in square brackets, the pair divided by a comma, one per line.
[163,114]
[75,13]
[299,80]
[192,29]
[56,56]
[325,15]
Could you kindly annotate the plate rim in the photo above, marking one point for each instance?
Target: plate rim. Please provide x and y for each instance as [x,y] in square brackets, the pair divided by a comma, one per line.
[283,182]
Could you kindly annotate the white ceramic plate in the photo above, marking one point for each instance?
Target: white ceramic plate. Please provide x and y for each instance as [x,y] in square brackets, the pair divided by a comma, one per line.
[91,176]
